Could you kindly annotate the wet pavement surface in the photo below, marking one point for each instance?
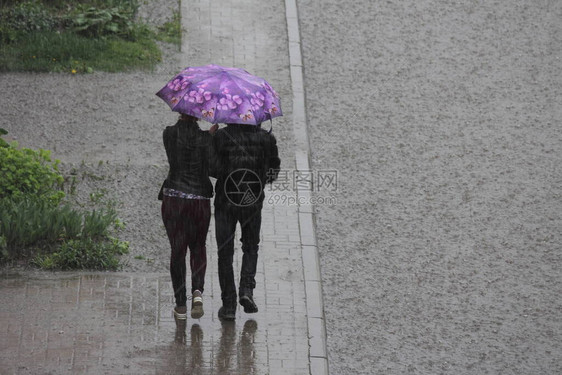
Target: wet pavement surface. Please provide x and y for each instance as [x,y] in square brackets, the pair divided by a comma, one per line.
[117,323]
[122,323]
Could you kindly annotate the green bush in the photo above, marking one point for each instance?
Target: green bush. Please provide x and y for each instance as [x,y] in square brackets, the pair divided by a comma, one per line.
[33,219]
[97,223]
[28,221]
[24,222]
[3,143]
[31,223]
[72,222]
[29,172]
[85,254]
[96,22]
[29,15]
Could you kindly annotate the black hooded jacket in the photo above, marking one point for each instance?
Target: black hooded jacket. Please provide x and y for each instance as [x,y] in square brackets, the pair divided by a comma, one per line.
[247,159]
[190,152]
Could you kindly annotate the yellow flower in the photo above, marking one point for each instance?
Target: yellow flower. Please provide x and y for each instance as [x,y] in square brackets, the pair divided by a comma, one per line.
[34,57]
[73,71]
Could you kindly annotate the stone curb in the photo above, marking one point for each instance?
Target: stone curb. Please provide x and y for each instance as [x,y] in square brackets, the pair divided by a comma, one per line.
[311,266]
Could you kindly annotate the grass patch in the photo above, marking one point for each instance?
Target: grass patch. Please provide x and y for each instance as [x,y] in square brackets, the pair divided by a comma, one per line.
[85,254]
[170,32]
[28,221]
[80,37]
[69,52]
[60,237]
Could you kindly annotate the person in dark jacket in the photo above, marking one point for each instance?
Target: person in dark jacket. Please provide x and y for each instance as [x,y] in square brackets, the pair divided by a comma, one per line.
[186,210]
[248,159]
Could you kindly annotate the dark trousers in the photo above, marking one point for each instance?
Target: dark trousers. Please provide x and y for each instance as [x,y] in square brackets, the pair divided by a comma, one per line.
[187,223]
[225,226]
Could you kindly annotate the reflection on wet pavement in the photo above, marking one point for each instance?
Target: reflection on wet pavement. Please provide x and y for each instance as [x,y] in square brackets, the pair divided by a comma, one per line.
[231,350]
[234,353]
[122,324]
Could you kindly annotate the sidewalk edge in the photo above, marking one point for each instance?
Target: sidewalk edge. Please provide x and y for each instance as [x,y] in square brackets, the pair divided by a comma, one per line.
[318,355]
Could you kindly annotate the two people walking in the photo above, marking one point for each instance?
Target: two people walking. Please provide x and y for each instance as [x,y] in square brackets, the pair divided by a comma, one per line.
[243,158]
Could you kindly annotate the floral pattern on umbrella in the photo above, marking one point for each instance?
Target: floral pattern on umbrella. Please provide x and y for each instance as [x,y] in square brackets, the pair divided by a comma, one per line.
[221,94]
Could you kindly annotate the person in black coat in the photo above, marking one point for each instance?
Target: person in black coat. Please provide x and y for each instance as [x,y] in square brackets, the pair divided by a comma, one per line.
[248,159]
[186,211]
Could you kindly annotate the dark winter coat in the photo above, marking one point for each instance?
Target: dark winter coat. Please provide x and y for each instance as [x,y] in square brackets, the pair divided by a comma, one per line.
[249,155]
[190,152]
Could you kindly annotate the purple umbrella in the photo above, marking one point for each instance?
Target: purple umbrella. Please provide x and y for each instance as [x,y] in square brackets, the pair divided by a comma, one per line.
[219,94]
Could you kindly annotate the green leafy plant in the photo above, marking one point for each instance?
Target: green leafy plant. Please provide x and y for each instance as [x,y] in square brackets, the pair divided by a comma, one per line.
[29,15]
[97,223]
[170,32]
[3,143]
[94,22]
[32,217]
[113,18]
[98,195]
[85,254]
[71,222]
[30,172]
[31,223]
[28,220]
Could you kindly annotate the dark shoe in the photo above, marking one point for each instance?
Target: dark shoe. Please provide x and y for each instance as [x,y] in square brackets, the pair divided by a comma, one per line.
[180,312]
[249,305]
[196,305]
[227,313]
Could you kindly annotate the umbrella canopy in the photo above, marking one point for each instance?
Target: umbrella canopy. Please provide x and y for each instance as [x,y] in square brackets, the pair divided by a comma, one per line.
[221,94]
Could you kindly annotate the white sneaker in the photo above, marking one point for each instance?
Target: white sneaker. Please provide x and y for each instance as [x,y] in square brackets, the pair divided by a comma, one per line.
[197,305]
[180,312]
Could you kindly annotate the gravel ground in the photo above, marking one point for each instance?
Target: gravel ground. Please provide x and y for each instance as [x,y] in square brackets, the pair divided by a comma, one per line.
[442,118]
